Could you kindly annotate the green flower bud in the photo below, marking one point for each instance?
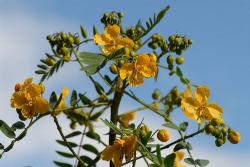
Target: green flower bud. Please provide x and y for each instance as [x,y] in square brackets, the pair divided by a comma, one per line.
[120,14]
[154,45]
[64,51]
[209,129]
[77,40]
[164,48]
[219,142]
[156,94]
[73,125]
[70,40]
[170,59]
[179,60]
[84,32]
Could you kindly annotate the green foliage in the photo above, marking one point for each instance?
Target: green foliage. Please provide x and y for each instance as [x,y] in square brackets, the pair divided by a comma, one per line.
[6,130]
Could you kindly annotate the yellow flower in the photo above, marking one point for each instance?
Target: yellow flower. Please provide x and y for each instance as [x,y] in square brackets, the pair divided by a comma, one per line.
[28,98]
[196,106]
[179,156]
[126,146]
[125,118]
[62,104]
[144,66]
[112,41]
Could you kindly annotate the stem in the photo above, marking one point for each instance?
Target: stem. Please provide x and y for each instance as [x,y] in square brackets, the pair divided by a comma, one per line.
[80,145]
[114,115]
[170,144]
[66,142]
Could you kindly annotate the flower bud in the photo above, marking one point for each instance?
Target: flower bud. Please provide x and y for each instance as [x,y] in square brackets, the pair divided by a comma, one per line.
[50,61]
[64,51]
[113,69]
[84,32]
[17,87]
[156,94]
[70,40]
[219,142]
[73,125]
[154,45]
[120,14]
[164,48]
[156,105]
[163,135]
[66,58]
[233,137]
[77,40]
[209,129]
[144,131]
[179,60]
[170,59]
[217,122]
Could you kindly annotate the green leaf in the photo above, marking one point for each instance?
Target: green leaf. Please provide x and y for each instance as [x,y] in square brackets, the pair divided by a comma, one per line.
[162,13]
[169,160]
[62,164]
[44,67]
[73,134]
[112,126]
[76,117]
[94,136]
[85,100]
[107,78]
[90,148]
[86,159]
[10,146]
[179,72]
[190,161]
[1,146]
[97,115]
[181,145]
[73,98]
[184,80]
[99,89]
[71,144]
[64,154]
[202,162]
[171,125]
[40,72]
[183,126]
[83,32]
[18,125]
[7,131]
[22,135]
[93,61]
[158,153]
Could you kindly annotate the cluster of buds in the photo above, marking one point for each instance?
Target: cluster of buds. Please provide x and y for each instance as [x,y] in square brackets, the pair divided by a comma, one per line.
[218,129]
[63,43]
[111,18]
[178,43]
[170,60]
[158,41]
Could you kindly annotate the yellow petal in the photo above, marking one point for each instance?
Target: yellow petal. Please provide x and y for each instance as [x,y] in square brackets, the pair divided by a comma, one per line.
[28,81]
[126,70]
[99,39]
[189,107]
[136,79]
[113,31]
[33,90]
[215,111]
[202,94]
[41,105]
[65,92]
[107,153]
[130,146]
[27,112]
[117,158]
[126,42]
[146,65]
[188,91]
[18,99]
[179,155]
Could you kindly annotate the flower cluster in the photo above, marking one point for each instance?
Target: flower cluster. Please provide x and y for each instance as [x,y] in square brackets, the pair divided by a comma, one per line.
[28,99]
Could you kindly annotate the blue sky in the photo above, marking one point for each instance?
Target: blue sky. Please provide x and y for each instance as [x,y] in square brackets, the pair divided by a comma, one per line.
[219,58]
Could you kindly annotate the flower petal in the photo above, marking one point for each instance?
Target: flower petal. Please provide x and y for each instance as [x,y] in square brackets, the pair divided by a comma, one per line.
[99,39]
[136,79]
[112,31]
[189,107]
[18,99]
[188,91]
[126,70]
[202,94]
[41,105]
[215,111]
[117,158]
[107,153]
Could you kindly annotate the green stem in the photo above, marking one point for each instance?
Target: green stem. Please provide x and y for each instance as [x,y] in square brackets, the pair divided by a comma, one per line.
[66,142]
[80,145]
[170,144]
